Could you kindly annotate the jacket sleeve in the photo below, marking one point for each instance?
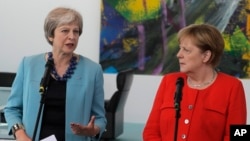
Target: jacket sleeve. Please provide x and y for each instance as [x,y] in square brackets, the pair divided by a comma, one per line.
[237,111]
[98,103]
[152,128]
[13,110]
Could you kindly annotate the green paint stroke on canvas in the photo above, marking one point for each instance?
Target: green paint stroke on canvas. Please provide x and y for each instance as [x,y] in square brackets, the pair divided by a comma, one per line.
[137,10]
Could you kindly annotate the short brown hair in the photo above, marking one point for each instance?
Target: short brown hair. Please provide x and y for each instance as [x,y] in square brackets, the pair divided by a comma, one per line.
[206,37]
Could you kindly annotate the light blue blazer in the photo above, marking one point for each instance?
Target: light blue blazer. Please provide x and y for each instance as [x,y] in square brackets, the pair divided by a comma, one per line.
[84,96]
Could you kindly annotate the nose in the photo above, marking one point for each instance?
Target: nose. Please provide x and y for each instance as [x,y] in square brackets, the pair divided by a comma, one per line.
[71,35]
[178,55]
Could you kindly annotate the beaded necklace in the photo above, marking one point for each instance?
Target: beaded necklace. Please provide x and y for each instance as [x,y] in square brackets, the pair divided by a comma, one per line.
[69,71]
[203,84]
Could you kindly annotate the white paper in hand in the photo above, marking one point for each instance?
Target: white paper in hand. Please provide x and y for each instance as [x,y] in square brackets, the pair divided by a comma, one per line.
[50,138]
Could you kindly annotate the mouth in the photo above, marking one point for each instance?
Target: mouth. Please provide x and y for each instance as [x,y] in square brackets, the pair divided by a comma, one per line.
[181,63]
[70,44]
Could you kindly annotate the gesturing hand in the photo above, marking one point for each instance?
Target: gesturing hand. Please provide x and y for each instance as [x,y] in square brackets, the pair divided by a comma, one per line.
[22,136]
[90,130]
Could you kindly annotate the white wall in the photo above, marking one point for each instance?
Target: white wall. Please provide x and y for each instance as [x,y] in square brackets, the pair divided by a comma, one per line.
[21,33]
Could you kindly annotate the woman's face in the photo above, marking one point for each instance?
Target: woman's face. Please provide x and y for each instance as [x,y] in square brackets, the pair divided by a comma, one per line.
[191,58]
[65,38]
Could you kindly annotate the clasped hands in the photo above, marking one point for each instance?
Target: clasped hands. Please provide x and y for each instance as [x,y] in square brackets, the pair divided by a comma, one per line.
[90,130]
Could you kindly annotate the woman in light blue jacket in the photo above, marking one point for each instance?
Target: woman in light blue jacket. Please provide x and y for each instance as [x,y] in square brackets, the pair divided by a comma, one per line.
[73,96]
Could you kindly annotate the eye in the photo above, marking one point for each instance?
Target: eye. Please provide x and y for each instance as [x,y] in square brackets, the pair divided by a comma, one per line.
[186,50]
[65,31]
[76,32]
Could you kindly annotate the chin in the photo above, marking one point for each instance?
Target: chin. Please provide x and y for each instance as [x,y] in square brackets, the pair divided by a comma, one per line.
[183,71]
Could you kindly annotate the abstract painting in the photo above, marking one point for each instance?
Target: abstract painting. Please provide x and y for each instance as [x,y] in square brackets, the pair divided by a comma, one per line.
[141,34]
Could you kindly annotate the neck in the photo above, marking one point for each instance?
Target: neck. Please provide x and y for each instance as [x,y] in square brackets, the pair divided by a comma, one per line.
[62,59]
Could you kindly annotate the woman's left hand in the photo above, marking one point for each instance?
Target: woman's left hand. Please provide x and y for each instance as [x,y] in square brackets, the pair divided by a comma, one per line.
[89,130]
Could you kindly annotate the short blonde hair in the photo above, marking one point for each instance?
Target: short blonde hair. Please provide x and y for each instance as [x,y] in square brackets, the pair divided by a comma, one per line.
[61,16]
[206,37]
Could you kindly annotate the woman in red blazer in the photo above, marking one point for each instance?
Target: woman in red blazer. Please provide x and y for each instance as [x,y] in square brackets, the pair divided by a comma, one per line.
[210,101]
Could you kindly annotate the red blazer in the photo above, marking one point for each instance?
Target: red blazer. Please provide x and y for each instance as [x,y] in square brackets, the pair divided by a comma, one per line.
[205,115]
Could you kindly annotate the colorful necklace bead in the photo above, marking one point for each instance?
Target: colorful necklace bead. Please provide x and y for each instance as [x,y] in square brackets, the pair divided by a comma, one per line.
[69,71]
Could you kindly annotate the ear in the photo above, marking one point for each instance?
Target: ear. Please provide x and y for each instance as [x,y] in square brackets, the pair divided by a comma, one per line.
[51,39]
[207,55]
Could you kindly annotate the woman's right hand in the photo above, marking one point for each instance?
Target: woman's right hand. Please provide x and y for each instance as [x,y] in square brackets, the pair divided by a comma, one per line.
[22,136]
